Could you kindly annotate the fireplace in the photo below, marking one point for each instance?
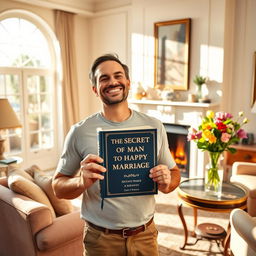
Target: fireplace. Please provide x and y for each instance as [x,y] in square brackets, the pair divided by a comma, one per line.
[179,146]
[177,117]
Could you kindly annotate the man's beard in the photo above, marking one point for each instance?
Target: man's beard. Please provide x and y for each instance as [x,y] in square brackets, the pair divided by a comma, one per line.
[109,101]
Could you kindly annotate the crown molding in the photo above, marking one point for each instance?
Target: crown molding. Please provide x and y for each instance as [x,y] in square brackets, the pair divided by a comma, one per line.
[87,8]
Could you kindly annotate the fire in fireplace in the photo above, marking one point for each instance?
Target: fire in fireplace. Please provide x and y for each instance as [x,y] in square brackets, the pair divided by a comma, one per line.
[179,146]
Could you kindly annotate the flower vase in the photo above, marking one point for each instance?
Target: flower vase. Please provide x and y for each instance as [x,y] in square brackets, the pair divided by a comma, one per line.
[199,92]
[214,175]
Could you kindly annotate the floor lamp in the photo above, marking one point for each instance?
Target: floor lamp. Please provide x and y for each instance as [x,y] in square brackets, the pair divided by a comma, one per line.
[8,120]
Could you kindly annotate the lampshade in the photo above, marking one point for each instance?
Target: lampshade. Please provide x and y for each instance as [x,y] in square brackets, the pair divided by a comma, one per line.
[8,118]
[253,110]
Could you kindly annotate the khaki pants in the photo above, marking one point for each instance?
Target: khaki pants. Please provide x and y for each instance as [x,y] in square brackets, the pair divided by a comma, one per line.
[98,243]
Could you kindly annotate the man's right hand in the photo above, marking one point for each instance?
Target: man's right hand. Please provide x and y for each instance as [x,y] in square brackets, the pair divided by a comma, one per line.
[70,187]
[91,169]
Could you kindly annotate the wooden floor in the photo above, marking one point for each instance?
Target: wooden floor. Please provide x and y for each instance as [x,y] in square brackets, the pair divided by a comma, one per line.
[171,234]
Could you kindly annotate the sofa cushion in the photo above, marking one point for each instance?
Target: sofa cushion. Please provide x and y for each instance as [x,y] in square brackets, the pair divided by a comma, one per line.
[32,169]
[44,181]
[16,171]
[19,182]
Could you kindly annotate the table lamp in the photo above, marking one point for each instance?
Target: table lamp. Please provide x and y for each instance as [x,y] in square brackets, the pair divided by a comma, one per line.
[8,120]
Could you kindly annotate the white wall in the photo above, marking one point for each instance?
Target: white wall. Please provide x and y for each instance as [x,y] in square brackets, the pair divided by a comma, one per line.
[109,33]
[207,37]
[244,48]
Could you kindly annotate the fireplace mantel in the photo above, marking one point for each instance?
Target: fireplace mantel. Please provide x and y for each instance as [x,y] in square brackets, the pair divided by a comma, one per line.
[181,113]
[174,112]
[174,103]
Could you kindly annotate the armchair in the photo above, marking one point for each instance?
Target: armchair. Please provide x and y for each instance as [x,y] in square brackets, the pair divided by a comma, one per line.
[243,233]
[29,228]
[244,174]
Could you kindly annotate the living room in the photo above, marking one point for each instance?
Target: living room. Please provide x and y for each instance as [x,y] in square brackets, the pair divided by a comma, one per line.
[221,48]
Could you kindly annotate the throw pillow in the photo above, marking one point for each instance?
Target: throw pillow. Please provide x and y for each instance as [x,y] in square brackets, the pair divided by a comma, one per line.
[61,206]
[16,171]
[20,183]
[32,169]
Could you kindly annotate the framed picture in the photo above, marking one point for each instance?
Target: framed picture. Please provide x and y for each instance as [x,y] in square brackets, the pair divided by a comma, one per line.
[172,46]
[254,81]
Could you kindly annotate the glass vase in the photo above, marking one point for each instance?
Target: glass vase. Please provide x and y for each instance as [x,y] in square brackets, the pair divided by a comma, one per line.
[199,92]
[214,175]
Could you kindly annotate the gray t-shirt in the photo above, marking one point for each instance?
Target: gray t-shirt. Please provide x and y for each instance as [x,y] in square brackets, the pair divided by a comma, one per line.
[117,212]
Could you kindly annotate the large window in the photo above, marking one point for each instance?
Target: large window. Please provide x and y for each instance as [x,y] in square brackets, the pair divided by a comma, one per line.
[27,68]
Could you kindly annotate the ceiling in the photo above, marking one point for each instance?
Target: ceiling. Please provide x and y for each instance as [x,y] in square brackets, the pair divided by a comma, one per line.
[83,7]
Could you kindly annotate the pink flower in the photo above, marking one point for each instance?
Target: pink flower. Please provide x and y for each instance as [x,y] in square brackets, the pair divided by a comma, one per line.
[225,137]
[241,134]
[194,134]
[223,116]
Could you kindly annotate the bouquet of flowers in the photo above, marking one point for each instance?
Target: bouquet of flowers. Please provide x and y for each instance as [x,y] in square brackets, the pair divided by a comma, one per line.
[216,133]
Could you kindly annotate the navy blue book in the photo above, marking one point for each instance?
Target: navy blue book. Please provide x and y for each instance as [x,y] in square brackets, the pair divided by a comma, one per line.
[128,156]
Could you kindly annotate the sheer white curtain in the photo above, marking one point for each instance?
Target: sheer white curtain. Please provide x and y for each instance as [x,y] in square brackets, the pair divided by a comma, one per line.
[64,26]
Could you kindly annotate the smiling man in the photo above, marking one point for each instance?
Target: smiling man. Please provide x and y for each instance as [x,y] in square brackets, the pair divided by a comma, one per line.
[132,216]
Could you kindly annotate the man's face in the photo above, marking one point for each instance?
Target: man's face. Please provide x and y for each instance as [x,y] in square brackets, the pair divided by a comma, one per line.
[111,84]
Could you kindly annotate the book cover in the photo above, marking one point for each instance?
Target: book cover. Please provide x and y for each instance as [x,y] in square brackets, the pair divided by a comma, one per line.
[8,161]
[128,156]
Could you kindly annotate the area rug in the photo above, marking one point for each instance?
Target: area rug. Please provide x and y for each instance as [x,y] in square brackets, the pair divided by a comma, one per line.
[171,232]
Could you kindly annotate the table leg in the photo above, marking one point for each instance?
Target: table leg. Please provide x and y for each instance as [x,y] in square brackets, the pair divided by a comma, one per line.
[184,225]
[195,221]
[227,241]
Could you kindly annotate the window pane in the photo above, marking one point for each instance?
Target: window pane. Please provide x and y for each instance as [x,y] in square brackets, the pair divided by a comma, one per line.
[13,140]
[46,121]
[22,44]
[32,84]
[33,122]
[2,85]
[12,84]
[33,103]
[34,141]
[47,139]
[15,144]
[46,105]
[44,84]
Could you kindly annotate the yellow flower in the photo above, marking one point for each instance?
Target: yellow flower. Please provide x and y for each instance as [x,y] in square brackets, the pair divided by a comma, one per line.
[212,139]
[209,136]
[210,114]
[207,126]
[241,113]
[245,121]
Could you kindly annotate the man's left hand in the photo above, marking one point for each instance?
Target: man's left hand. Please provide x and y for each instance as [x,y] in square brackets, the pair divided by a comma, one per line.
[166,179]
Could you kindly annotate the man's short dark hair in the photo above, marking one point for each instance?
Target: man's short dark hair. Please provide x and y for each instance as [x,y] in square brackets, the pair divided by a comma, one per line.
[103,58]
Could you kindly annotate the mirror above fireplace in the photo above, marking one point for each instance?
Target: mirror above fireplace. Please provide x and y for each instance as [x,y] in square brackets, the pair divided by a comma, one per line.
[172,44]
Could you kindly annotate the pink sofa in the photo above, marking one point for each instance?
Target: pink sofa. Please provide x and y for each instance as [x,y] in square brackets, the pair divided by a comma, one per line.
[27,228]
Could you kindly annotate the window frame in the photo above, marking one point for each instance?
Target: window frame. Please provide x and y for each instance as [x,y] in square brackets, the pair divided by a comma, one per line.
[45,158]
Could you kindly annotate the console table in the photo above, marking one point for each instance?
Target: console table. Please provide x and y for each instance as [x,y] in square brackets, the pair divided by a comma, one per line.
[191,192]
[244,153]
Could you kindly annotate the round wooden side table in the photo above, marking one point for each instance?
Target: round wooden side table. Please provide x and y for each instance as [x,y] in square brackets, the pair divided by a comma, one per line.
[191,192]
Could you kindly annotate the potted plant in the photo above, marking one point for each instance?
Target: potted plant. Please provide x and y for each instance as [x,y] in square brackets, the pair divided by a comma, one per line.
[199,81]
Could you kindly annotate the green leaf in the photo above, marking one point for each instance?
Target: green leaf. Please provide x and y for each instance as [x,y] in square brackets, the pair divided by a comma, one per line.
[231,150]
